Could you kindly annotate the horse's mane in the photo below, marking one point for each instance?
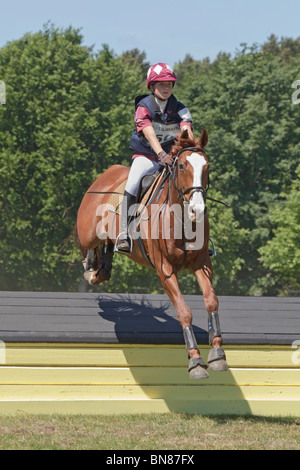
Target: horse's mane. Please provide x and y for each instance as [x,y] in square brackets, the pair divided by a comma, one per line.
[182,142]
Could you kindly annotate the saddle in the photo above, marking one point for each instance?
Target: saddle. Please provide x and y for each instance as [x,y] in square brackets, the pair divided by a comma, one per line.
[145,189]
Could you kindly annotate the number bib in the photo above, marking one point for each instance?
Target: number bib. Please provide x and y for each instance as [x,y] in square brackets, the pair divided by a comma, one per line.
[165,132]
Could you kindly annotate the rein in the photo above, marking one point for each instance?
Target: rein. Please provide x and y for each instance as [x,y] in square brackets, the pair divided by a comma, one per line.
[170,174]
[181,192]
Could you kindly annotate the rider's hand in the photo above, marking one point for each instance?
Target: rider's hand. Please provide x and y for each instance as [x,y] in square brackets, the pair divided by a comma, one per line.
[165,158]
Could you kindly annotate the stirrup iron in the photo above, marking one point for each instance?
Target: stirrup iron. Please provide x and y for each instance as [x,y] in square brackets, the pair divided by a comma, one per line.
[121,234]
[212,252]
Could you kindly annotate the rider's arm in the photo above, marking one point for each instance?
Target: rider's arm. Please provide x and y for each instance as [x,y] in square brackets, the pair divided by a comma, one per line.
[186,120]
[144,125]
[150,135]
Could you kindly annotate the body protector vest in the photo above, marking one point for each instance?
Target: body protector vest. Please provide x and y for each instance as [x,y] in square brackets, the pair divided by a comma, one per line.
[166,125]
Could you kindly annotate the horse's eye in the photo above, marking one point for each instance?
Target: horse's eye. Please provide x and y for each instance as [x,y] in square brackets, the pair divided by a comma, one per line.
[181,166]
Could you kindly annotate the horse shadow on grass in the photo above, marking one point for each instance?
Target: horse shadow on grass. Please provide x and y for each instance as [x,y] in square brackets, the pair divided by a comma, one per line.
[159,367]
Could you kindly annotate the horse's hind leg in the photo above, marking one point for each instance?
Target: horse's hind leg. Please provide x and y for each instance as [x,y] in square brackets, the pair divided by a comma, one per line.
[197,367]
[98,268]
[90,264]
[106,260]
[90,260]
[216,356]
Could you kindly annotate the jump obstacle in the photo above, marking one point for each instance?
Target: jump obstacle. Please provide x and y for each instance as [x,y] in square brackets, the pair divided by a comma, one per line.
[72,353]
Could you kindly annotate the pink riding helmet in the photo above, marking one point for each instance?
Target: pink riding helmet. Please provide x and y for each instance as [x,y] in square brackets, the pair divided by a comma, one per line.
[160,73]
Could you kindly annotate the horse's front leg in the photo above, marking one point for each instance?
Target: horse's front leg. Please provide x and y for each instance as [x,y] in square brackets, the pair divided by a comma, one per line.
[197,367]
[216,356]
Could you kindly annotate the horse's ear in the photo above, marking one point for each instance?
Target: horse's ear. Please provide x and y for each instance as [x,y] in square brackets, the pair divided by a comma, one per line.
[203,138]
[185,134]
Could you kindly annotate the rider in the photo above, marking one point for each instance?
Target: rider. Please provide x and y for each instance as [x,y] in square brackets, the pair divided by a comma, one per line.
[159,117]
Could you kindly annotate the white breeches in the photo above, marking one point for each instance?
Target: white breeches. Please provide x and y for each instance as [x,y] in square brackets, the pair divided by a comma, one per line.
[140,167]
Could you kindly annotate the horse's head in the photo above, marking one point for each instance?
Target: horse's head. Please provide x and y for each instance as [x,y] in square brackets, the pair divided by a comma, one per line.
[190,173]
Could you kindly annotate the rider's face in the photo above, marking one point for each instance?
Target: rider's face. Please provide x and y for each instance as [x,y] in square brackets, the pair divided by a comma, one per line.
[163,90]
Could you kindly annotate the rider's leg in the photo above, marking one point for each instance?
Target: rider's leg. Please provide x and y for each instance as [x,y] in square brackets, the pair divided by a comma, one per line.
[126,214]
[140,167]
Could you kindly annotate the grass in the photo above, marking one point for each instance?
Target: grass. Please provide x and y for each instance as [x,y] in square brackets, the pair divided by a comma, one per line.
[148,432]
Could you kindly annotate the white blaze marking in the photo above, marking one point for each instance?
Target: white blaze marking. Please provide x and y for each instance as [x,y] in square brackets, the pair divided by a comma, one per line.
[197,161]
[197,203]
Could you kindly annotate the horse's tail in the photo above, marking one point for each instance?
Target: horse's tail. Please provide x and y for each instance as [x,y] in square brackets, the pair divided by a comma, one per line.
[84,251]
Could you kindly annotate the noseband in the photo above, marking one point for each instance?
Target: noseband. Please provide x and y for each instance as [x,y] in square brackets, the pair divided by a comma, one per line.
[192,189]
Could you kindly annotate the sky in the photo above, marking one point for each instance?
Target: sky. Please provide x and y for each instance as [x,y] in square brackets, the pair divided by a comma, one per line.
[165,31]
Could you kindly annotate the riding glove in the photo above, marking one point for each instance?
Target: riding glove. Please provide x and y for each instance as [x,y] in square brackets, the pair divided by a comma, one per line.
[165,158]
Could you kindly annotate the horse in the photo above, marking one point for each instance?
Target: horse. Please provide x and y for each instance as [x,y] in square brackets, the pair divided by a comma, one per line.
[178,223]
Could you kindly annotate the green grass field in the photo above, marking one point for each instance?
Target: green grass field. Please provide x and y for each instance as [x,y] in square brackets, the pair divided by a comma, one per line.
[148,432]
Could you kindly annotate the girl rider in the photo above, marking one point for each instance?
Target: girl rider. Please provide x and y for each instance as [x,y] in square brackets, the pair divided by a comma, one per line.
[159,117]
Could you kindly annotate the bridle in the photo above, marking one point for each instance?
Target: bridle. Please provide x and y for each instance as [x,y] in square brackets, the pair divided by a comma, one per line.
[176,175]
[182,192]
[171,173]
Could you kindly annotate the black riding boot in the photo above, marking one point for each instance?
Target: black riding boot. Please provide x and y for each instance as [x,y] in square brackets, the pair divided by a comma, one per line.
[126,216]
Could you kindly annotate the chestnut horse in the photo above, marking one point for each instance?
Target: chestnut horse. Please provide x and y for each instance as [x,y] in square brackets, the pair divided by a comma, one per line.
[171,234]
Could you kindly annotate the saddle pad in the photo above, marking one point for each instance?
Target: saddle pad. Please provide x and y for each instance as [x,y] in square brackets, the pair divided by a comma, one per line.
[116,199]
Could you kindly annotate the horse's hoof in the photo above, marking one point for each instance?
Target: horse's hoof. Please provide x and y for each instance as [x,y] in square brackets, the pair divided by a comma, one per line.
[217,359]
[197,368]
[89,276]
[198,373]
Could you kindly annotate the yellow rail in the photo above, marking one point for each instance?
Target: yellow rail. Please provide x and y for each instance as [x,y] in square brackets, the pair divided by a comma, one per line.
[112,379]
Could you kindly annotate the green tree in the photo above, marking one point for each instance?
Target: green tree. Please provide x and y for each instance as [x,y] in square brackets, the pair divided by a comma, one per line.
[287,49]
[245,104]
[67,118]
[281,254]
[69,115]
[136,58]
